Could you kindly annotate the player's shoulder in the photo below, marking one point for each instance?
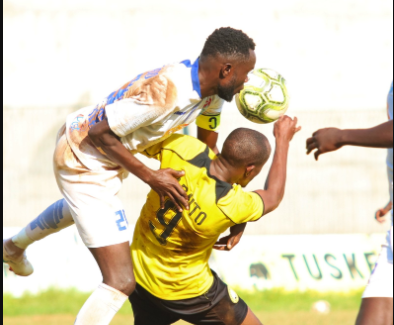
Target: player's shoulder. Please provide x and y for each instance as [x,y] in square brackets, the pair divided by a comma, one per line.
[187,147]
[241,206]
[212,105]
[237,195]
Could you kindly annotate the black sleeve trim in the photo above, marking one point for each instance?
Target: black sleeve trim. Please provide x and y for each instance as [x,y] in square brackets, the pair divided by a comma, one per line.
[262,200]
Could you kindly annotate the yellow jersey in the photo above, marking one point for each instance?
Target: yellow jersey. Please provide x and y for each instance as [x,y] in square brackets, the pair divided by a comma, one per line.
[170,250]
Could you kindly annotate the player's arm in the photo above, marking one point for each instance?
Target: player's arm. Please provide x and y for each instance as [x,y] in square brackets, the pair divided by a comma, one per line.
[284,130]
[208,124]
[163,181]
[210,138]
[381,213]
[229,242]
[332,139]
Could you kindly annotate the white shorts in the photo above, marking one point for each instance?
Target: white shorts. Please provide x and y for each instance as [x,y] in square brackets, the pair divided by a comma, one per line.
[381,281]
[92,197]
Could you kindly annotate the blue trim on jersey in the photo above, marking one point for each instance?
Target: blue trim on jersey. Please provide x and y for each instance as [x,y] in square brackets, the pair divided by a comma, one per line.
[195,79]
[187,63]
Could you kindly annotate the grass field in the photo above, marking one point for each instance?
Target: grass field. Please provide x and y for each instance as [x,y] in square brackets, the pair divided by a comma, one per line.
[272,307]
[268,318]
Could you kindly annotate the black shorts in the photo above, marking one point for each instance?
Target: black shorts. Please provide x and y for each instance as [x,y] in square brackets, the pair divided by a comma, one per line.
[219,306]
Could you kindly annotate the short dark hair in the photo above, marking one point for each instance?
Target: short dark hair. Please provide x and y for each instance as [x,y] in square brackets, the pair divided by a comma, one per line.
[246,147]
[228,41]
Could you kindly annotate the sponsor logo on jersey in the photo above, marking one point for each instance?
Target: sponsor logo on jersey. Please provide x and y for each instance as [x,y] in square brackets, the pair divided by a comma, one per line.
[207,103]
[233,295]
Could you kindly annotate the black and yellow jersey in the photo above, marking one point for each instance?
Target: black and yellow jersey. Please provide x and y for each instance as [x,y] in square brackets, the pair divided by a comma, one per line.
[170,250]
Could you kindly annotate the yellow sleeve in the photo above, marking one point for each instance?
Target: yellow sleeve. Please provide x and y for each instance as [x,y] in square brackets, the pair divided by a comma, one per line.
[209,122]
[240,206]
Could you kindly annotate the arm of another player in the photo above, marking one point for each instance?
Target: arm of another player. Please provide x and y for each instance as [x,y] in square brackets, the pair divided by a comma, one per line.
[163,182]
[284,130]
[229,242]
[208,124]
[381,213]
[210,138]
[332,139]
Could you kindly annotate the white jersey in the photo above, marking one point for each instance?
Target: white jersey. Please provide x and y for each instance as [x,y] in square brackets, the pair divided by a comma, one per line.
[145,111]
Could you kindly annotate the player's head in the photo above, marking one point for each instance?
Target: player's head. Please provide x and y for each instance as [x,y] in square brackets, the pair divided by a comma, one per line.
[230,54]
[246,151]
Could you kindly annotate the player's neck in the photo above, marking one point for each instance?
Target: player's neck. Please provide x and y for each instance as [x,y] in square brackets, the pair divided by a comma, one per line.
[222,170]
[207,75]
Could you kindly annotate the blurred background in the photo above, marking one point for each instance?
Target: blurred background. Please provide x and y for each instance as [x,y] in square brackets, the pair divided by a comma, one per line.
[337,57]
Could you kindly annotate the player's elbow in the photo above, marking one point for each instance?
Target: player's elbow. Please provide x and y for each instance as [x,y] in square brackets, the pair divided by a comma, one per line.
[102,138]
[94,136]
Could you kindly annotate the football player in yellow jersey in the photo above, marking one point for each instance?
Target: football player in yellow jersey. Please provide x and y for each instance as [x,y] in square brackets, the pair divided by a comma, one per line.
[171,249]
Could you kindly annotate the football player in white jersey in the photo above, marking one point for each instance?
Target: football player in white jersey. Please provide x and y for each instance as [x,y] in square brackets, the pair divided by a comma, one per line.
[381,213]
[95,152]
[377,304]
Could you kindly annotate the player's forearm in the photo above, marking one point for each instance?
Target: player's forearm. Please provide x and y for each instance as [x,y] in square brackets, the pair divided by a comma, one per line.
[210,138]
[388,207]
[115,151]
[380,136]
[276,182]
[124,158]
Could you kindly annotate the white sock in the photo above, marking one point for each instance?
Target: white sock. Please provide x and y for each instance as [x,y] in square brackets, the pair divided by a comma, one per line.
[52,220]
[101,307]
[22,240]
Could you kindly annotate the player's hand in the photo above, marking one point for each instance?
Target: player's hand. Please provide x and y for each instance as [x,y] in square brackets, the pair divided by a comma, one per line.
[285,128]
[229,242]
[324,141]
[165,183]
[380,215]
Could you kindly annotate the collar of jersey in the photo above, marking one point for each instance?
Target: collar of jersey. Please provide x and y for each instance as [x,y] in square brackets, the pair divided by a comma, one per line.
[194,71]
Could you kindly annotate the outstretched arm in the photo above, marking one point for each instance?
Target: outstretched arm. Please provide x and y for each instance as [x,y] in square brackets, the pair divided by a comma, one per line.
[163,181]
[331,139]
[284,131]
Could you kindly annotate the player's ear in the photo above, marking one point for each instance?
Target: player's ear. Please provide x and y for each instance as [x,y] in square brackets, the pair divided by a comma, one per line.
[226,70]
[249,170]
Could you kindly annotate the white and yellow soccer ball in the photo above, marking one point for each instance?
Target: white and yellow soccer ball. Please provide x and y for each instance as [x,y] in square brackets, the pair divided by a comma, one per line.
[265,97]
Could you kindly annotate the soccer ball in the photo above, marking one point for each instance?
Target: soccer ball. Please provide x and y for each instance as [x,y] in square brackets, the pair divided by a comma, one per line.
[265,98]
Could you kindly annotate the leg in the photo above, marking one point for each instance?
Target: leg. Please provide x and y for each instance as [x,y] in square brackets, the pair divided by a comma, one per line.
[377,303]
[103,227]
[376,311]
[52,220]
[117,269]
[251,319]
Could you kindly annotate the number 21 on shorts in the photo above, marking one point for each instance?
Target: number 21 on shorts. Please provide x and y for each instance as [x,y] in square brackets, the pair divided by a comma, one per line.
[122,222]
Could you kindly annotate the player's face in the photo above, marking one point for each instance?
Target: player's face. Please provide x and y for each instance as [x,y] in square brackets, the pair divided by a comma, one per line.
[235,81]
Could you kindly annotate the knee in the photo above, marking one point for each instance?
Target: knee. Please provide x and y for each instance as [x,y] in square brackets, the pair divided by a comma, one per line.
[124,283]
